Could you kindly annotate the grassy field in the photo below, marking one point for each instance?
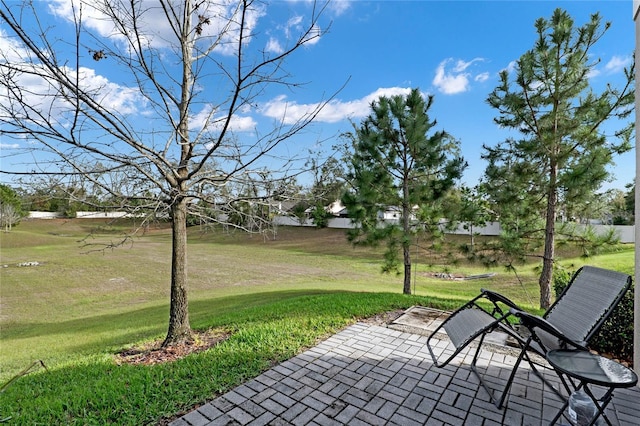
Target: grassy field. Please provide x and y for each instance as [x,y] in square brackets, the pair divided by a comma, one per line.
[80,305]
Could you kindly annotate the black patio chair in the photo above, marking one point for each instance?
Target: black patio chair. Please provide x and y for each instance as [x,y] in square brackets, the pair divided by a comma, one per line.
[575,317]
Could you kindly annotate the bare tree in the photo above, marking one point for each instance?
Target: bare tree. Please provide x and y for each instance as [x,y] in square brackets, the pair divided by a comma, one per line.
[189,71]
[8,216]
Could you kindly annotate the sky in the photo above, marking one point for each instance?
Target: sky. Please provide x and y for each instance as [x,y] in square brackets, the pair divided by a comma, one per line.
[452,49]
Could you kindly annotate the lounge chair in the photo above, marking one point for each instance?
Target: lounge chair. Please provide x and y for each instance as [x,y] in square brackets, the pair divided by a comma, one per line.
[575,317]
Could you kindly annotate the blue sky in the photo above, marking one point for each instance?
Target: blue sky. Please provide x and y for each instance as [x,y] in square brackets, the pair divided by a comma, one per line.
[455,50]
[451,49]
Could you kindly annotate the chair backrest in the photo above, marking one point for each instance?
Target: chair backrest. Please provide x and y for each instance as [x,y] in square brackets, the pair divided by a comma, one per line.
[587,302]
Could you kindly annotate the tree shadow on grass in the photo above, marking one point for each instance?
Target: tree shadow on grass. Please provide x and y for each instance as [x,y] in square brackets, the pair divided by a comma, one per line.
[269,328]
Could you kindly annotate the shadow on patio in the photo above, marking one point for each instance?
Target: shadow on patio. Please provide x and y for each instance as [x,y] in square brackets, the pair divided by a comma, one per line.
[374,375]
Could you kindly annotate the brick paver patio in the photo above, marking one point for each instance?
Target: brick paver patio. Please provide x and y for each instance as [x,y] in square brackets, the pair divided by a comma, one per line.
[374,375]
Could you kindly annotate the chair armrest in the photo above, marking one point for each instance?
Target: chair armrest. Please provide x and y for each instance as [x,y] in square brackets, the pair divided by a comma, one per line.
[534,321]
[497,297]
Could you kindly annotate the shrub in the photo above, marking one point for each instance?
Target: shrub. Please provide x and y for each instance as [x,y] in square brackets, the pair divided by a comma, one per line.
[616,335]
[561,278]
[321,216]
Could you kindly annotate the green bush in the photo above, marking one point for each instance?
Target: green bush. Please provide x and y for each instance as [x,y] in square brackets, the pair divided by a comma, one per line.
[616,335]
[321,216]
[561,278]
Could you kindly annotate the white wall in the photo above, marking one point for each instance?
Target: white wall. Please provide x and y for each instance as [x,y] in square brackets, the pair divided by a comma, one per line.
[100,215]
[44,215]
[338,222]
[491,228]
[626,234]
[79,215]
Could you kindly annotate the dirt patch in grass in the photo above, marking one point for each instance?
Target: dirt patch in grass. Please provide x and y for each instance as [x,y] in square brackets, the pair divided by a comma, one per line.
[384,318]
[153,353]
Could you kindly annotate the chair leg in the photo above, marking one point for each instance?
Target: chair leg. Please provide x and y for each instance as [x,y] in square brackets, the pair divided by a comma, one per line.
[544,380]
[499,402]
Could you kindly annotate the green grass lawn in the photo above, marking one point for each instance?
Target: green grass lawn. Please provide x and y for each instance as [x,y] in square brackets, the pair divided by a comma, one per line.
[80,306]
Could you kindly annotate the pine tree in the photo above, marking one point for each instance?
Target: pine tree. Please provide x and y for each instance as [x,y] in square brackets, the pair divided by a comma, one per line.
[561,151]
[396,164]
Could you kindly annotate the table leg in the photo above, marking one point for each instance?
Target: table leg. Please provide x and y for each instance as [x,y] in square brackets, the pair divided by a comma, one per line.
[605,401]
[560,413]
[601,404]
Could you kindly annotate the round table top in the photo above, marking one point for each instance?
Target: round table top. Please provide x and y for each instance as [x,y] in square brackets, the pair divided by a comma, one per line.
[592,368]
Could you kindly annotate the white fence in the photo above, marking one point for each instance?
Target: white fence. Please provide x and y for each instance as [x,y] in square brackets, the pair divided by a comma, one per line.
[625,233]
[101,215]
[336,222]
[80,215]
[44,215]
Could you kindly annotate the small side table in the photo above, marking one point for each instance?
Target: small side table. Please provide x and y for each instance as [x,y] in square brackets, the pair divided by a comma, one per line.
[590,369]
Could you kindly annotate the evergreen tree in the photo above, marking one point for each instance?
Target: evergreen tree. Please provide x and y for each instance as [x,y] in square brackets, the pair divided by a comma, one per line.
[630,200]
[469,207]
[561,151]
[396,164]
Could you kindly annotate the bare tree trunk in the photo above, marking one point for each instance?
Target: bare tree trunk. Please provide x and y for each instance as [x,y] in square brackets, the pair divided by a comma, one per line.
[549,242]
[165,159]
[407,271]
[406,252]
[179,327]
[406,244]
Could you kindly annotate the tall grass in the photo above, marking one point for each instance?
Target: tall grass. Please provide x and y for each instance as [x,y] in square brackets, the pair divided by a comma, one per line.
[79,307]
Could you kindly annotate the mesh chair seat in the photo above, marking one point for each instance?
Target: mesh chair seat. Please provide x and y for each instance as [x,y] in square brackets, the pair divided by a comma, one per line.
[575,317]
[466,325]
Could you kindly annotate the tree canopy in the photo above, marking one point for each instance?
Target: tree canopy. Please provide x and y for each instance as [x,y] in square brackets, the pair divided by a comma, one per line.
[11,209]
[561,151]
[399,161]
[160,137]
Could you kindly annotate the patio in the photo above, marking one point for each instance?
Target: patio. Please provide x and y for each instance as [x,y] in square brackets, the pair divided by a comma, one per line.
[369,374]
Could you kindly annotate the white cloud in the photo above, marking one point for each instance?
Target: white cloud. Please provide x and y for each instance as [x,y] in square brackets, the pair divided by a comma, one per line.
[12,51]
[154,25]
[511,67]
[9,145]
[43,94]
[155,30]
[207,118]
[449,83]
[294,23]
[482,77]
[457,79]
[242,123]
[338,7]
[536,84]
[593,73]
[617,64]
[289,112]
[112,96]
[461,65]
[292,32]
[314,35]
[274,46]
